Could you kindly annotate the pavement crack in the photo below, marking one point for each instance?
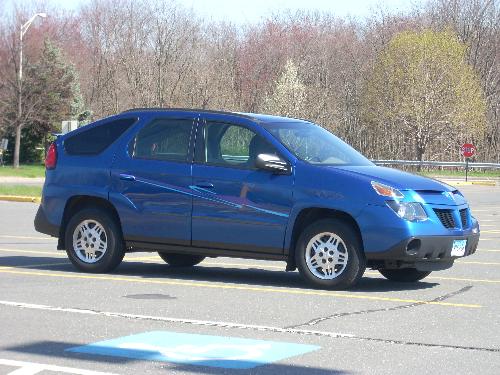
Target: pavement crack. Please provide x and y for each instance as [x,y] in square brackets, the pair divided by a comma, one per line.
[250,327]
[427,345]
[315,321]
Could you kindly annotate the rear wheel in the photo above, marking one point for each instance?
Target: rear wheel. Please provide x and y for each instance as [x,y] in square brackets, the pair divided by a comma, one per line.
[406,275]
[181,260]
[329,255]
[94,241]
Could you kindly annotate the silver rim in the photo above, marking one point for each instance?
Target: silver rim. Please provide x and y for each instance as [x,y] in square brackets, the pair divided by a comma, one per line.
[90,241]
[326,256]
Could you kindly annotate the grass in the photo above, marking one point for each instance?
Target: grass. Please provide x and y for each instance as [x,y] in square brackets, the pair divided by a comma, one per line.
[26,190]
[455,173]
[25,170]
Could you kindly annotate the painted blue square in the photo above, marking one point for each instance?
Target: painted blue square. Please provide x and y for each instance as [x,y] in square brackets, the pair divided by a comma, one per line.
[204,350]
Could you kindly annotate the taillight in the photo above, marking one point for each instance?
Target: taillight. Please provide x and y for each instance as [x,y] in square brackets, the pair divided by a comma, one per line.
[51,158]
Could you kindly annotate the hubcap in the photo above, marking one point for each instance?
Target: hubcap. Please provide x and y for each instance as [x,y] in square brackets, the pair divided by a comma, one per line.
[326,256]
[90,241]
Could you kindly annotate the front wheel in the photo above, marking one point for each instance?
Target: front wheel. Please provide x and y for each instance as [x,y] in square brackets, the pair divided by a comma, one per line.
[94,241]
[329,255]
[405,275]
[181,260]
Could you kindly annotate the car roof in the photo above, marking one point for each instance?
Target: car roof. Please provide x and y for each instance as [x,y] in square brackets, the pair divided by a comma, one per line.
[263,118]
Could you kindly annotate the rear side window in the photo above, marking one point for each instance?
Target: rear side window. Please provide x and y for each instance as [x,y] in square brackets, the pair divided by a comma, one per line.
[163,139]
[97,139]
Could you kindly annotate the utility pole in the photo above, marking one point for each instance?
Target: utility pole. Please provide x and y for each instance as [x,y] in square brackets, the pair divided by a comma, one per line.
[19,125]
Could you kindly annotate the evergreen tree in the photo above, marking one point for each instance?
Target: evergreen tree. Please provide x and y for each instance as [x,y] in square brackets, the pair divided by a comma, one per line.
[51,94]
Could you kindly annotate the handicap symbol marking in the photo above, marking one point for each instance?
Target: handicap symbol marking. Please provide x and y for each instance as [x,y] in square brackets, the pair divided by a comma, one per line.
[204,350]
[194,353]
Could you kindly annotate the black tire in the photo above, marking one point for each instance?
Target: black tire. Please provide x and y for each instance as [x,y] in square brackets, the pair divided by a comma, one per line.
[405,275]
[181,260]
[115,250]
[355,265]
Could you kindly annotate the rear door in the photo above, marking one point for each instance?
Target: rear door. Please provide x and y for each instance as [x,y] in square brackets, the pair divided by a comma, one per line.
[151,178]
[237,207]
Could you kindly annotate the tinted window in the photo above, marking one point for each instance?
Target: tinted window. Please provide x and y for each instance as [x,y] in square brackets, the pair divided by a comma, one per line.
[97,139]
[163,139]
[231,145]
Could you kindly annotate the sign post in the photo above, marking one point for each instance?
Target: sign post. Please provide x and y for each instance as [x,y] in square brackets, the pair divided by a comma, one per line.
[3,147]
[67,126]
[468,151]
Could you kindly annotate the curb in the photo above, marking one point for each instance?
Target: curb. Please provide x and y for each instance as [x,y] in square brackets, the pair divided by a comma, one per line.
[19,198]
[462,183]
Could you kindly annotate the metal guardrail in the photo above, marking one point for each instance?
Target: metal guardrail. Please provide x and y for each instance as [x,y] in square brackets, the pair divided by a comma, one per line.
[437,164]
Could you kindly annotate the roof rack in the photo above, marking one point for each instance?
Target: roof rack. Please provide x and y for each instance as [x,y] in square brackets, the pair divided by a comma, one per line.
[187,109]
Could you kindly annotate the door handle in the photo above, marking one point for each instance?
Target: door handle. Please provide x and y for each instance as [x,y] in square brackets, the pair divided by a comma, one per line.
[205,185]
[127,177]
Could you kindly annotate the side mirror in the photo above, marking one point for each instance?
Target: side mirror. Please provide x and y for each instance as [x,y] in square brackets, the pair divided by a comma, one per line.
[272,163]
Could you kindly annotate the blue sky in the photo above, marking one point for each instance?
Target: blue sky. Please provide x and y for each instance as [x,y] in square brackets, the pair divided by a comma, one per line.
[243,11]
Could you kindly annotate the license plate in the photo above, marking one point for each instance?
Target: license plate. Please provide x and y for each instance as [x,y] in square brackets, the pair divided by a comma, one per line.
[458,248]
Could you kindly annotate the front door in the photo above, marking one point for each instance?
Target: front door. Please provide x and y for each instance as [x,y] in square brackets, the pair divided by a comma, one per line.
[237,206]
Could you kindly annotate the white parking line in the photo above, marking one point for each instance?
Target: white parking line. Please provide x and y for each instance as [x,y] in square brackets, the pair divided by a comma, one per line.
[175,320]
[31,368]
[29,237]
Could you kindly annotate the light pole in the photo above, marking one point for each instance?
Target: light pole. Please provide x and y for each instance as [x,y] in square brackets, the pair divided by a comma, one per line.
[24,29]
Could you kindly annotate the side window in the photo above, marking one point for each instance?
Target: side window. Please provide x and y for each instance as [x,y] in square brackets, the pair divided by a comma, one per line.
[231,145]
[97,139]
[163,139]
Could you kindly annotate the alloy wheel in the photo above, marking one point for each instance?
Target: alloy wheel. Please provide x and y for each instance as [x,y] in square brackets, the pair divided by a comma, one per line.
[326,256]
[90,241]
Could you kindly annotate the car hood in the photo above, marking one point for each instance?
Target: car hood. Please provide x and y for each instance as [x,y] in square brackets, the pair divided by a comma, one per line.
[396,178]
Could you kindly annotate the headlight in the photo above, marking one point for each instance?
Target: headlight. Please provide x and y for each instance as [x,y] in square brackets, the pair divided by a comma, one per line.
[411,211]
[386,191]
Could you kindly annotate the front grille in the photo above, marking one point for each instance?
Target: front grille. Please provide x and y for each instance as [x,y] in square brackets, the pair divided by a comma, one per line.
[446,217]
[463,217]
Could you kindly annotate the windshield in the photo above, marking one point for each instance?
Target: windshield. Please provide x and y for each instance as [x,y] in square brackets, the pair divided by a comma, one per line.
[315,145]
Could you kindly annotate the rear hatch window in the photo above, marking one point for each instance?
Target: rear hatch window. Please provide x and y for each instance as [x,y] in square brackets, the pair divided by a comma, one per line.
[98,138]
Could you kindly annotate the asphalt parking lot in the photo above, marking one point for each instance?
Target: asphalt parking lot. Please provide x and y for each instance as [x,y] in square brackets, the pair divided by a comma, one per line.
[50,315]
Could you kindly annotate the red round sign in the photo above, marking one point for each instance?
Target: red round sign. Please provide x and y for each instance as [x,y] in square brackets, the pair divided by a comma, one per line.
[468,150]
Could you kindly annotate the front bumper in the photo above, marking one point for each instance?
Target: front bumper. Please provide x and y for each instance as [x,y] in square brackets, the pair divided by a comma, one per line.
[426,253]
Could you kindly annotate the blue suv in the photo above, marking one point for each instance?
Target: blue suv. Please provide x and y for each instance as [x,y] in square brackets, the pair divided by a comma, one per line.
[191,184]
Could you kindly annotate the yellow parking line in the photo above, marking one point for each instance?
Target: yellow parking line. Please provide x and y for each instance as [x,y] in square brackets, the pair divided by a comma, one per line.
[264,266]
[219,264]
[53,253]
[496,231]
[156,257]
[62,254]
[463,279]
[151,259]
[204,285]
[29,237]
[41,265]
[252,265]
[481,263]
[447,278]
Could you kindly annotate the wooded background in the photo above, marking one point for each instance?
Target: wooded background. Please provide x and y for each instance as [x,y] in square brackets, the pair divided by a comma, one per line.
[412,85]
